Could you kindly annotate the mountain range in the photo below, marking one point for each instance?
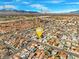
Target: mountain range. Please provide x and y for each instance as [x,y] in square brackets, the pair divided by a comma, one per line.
[22,12]
[75,12]
[16,12]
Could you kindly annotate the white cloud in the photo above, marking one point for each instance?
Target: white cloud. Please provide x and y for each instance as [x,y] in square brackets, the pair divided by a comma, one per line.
[72,3]
[18,0]
[54,1]
[1,7]
[7,6]
[10,6]
[26,2]
[40,7]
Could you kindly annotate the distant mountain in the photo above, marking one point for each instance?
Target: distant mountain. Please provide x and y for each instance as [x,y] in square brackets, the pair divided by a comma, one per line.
[13,10]
[75,12]
[16,12]
[22,12]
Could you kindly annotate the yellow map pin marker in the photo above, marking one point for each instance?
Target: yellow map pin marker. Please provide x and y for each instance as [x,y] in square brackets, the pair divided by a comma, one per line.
[39,32]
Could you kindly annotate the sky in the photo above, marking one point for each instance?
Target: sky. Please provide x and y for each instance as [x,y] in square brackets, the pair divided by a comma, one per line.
[52,6]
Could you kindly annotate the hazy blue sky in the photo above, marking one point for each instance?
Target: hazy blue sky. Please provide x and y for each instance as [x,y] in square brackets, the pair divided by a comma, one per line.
[55,6]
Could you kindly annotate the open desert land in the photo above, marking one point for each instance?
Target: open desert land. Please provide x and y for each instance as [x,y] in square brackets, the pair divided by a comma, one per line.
[60,39]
